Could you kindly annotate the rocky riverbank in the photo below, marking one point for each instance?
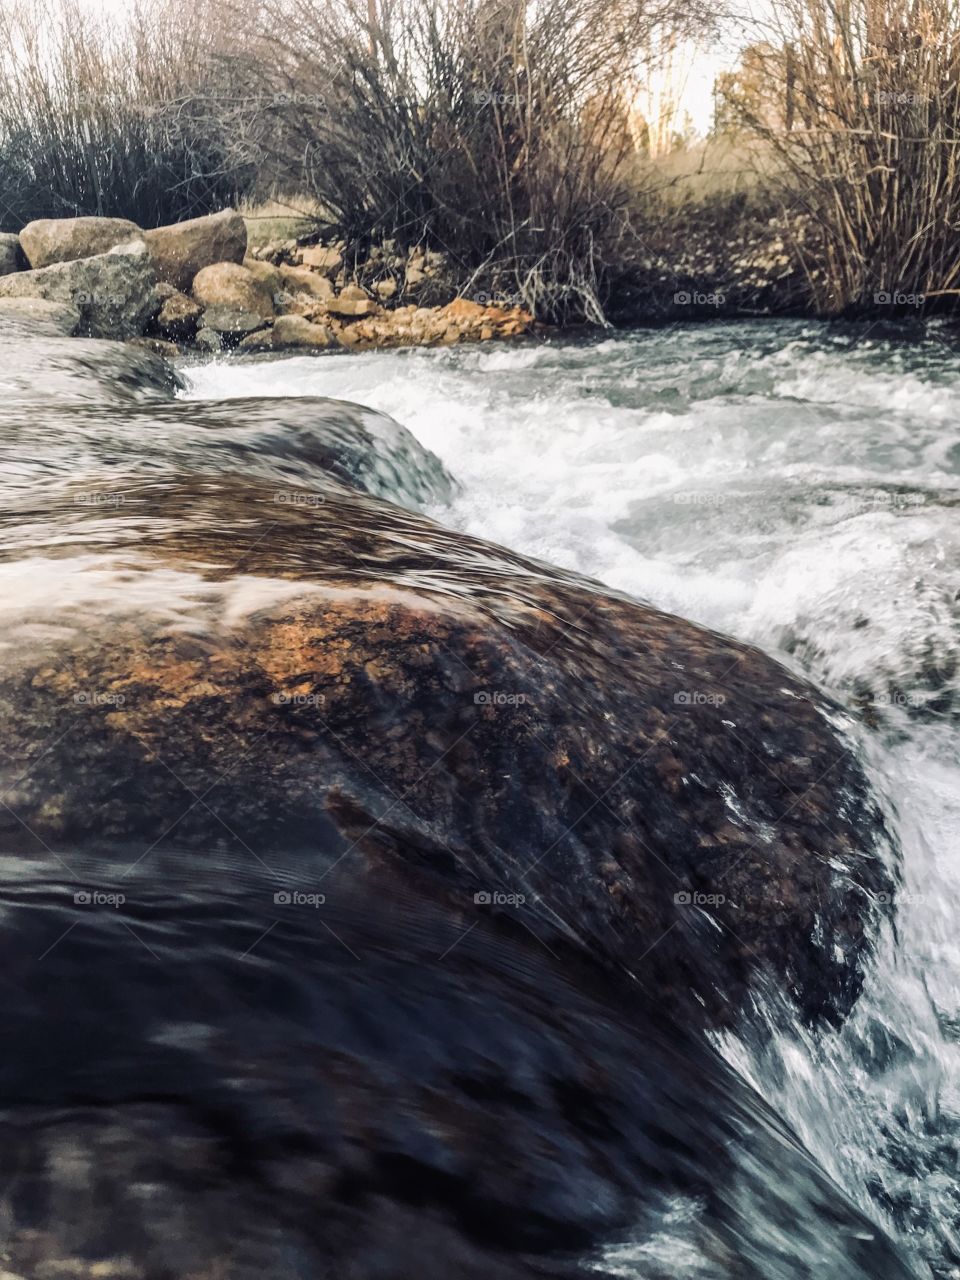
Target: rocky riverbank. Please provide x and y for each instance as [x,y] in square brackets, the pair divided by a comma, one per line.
[193,286]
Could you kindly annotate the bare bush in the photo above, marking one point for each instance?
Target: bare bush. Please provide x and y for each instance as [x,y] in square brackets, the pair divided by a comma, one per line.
[859,102]
[496,130]
[127,122]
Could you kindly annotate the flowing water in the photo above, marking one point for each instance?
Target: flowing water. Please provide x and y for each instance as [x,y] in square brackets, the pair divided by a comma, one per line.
[797,487]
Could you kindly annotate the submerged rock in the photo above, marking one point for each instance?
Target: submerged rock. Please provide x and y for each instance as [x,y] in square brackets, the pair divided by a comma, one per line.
[367,887]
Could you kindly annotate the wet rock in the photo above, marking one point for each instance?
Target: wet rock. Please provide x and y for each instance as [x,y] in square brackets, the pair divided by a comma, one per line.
[181,250]
[159,347]
[39,315]
[366,879]
[178,317]
[208,340]
[113,292]
[11,255]
[231,321]
[52,240]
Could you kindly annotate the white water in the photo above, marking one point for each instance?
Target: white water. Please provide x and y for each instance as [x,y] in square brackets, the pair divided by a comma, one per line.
[796,487]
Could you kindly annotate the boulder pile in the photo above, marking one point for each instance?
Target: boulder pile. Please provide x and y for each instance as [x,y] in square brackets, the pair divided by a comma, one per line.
[194,285]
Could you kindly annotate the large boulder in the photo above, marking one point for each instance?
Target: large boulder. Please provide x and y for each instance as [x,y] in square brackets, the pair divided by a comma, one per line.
[113,292]
[182,249]
[362,881]
[228,284]
[665,798]
[11,255]
[50,240]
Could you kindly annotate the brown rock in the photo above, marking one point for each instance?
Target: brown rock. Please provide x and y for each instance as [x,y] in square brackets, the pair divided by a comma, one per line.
[326,261]
[353,293]
[386,289]
[178,317]
[351,307]
[51,240]
[182,249]
[231,320]
[266,273]
[157,345]
[303,280]
[295,331]
[228,284]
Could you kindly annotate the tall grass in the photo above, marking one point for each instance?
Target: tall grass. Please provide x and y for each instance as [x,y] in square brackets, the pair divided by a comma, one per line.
[868,139]
[126,122]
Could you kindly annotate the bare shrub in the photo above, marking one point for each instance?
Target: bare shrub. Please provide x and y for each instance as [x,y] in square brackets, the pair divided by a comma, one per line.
[859,101]
[126,122]
[495,130]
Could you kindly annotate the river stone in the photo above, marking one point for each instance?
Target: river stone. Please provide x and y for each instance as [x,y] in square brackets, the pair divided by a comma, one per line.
[113,291]
[266,273]
[303,280]
[296,331]
[327,261]
[38,315]
[51,240]
[208,340]
[11,255]
[178,316]
[231,321]
[228,284]
[670,800]
[182,249]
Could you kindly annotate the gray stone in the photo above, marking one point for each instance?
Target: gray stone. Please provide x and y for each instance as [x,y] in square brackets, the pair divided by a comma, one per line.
[113,292]
[38,314]
[51,240]
[11,255]
[296,331]
[207,340]
[231,320]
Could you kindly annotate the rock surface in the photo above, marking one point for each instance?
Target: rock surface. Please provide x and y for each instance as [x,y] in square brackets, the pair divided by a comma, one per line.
[361,877]
[295,331]
[178,317]
[113,292]
[182,249]
[11,255]
[38,314]
[51,240]
[228,284]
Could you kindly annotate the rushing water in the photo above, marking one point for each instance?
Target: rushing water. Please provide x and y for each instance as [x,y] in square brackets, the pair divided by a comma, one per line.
[795,486]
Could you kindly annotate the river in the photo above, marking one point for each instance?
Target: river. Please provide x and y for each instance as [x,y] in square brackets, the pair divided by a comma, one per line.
[795,486]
